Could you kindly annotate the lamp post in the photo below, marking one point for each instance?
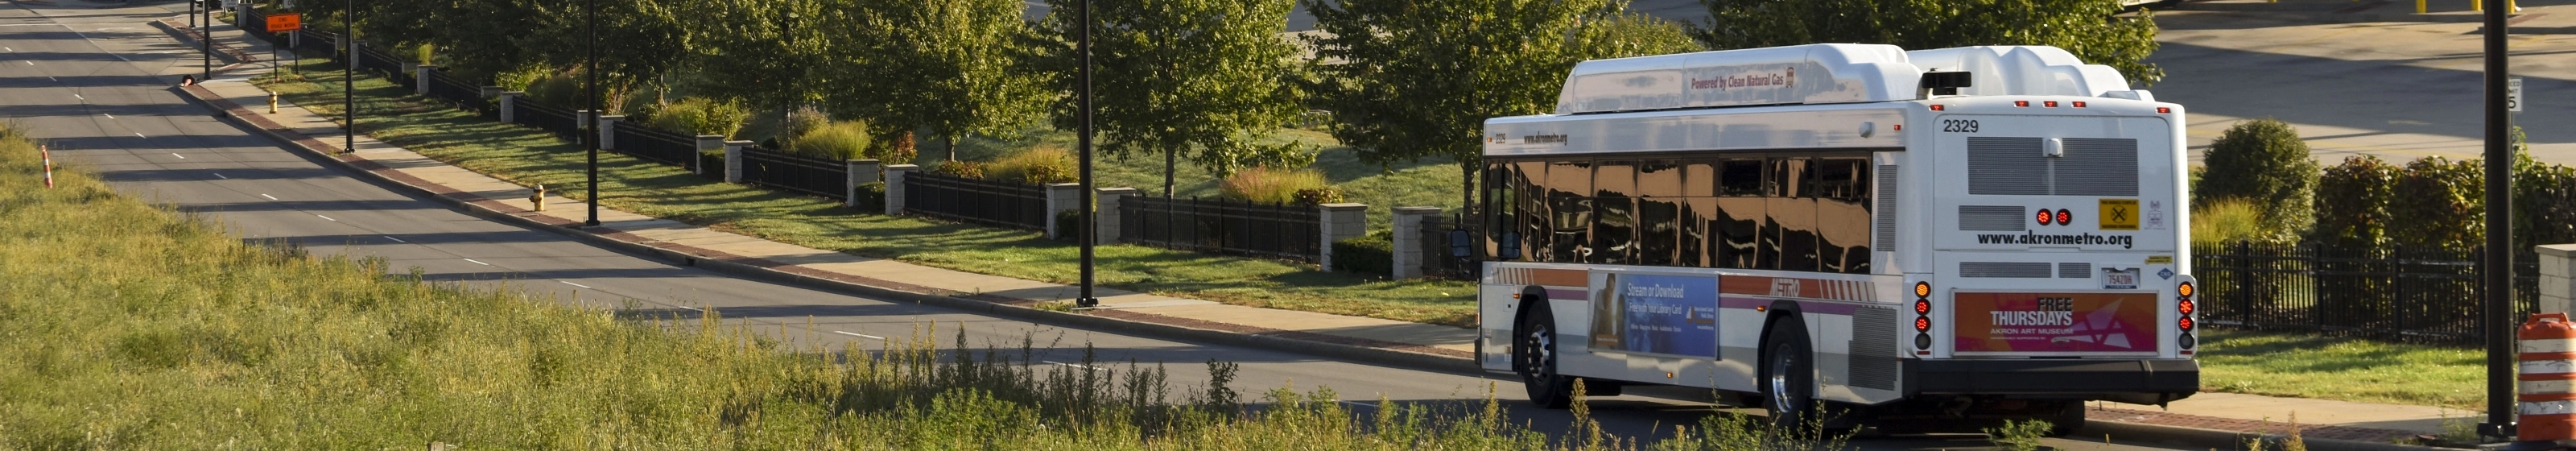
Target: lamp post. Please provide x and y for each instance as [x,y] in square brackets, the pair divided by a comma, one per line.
[591,190]
[1090,201]
[2495,319]
[206,40]
[348,78]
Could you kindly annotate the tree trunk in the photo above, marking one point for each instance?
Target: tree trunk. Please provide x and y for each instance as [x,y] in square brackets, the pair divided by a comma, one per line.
[1466,189]
[951,139]
[1169,155]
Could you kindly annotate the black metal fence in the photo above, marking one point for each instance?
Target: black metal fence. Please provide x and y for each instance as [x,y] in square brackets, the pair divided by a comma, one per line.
[464,95]
[977,201]
[2403,294]
[1287,231]
[799,173]
[256,25]
[1439,258]
[373,60]
[545,117]
[318,43]
[655,145]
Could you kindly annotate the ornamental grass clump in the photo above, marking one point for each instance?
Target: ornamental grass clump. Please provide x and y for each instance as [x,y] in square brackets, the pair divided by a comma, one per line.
[1275,186]
[834,141]
[1037,166]
[699,116]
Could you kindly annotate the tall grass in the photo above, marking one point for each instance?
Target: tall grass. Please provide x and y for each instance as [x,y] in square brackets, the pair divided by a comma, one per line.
[131,326]
[1272,186]
[701,116]
[2226,220]
[837,141]
[1035,165]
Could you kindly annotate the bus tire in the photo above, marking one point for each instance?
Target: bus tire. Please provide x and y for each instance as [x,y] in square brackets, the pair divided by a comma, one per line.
[2067,421]
[1788,376]
[1534,357]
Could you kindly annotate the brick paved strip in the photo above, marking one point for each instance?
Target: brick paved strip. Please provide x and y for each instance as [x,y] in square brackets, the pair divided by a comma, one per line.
[2231,424]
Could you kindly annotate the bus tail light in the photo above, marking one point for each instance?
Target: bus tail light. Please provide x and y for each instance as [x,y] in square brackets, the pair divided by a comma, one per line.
[2050,104]
[2183,308]
[2079,104]
[2164,110]
[1922,317]
[2065,217]
[2022,103]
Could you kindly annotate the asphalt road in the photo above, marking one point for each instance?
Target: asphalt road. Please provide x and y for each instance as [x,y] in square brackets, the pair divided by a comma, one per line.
[96,84]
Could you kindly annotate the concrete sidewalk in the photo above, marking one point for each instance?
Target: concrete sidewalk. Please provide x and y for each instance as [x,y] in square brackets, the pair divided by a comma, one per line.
[2216,417]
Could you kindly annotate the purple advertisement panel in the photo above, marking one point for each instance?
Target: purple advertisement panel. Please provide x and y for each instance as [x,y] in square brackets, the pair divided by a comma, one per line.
[1675,315]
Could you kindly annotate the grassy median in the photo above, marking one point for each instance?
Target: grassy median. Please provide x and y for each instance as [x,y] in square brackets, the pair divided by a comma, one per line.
[131,326]
[530,157]
[2350,369]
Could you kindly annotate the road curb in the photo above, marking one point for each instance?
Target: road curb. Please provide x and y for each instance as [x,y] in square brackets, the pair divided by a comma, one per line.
[1391,357]
[2219,439]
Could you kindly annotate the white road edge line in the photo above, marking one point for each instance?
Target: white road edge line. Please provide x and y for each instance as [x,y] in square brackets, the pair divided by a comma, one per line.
[221,176]
[109,116]
[693,308]
[858,335]
[328,218]
[478,262]
[1052,362]
[397,240]
[575,284]
[176,154]
[1357,403]
[268,196]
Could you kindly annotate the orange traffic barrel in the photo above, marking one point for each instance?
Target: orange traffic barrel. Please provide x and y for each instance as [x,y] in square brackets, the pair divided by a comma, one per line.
[2547,351]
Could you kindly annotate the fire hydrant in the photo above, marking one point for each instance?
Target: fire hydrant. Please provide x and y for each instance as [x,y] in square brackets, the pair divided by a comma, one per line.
[272,102]
[539,198]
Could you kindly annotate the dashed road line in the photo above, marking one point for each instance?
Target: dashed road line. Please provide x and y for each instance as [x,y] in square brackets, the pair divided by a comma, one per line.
[78,96]
[176,154]
[575,284]
[328,218]
[397,240]
[109,116]
[693,308]
[858,335]
[268,196]
[478,262]
[221,176]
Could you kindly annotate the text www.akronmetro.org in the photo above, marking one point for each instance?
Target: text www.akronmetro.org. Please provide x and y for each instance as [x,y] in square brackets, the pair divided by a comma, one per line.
[2081,239]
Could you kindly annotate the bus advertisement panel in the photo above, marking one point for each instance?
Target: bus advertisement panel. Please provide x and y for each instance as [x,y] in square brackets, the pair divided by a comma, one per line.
[1671,315]
[2092,323]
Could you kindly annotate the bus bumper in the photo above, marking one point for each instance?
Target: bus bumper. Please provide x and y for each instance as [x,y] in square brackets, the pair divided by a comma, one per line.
[2138,381]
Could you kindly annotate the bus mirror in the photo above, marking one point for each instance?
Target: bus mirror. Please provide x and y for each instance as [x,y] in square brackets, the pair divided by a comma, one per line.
[1511,247]
[1946,83]
[1458,243]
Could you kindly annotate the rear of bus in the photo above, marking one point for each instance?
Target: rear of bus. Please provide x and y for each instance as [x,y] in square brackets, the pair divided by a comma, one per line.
[2056,263]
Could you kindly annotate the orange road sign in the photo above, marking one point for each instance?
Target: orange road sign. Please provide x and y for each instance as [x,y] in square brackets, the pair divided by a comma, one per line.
[285,22]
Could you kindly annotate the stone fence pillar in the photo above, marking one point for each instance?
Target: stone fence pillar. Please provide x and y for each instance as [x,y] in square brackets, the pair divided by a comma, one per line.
[894,187]
[1340,222]
[421,76]
[510,106]
[1060,198]
[2557,278]
[860,172]
[1109,220]
[733,160]
[608,131]
[1409,222]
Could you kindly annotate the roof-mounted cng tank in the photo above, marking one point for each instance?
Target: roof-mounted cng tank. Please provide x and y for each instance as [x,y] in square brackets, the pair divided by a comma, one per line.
[1829,73]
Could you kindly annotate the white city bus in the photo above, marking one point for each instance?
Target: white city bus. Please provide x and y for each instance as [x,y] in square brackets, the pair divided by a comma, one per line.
[1967,234]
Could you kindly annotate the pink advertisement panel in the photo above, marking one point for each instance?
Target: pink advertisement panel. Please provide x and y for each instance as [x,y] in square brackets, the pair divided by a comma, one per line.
[2056,322]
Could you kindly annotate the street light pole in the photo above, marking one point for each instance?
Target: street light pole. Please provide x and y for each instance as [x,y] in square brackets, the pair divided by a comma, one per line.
[2496,319]
[349,77]
[592,188]
[206,40]
[1090,199]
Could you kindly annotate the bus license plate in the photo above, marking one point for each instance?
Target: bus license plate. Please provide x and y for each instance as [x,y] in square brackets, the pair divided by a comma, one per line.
[2116,279]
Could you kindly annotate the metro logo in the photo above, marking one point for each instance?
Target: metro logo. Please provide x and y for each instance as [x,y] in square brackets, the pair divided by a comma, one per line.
[2119,214]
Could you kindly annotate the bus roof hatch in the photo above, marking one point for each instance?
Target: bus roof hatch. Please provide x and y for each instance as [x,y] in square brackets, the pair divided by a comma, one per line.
[1819,74]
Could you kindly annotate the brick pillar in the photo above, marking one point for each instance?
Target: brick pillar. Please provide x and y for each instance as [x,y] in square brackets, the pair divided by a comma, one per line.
[1340,222]
[1110,222]
[510,106]
[894,186]
[608,131]
[861,172]
[705,143]
[1409,257]
[1060,198]
[421,78]
[2557,278]
[733,160]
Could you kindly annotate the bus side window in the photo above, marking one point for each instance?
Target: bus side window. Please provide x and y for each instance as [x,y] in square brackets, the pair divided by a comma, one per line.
[1740,213]
[1569,199]
[1842,214]
[1501,218]
[1531,181]
[1698,216]
[1614,213]
[1793,215]
[1659,187]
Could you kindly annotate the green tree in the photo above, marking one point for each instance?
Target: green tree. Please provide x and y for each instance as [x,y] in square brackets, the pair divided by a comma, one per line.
[482,38]
[947,65]
[767,54]
[1407,80]
[1171,75]
[2352,202]
[2079,26]
[2265,162]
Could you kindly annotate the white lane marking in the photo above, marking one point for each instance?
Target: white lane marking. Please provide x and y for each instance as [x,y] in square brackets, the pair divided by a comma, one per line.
[50,77]
[109,116]
[693,308]
[574,284]
[176,154]
[268,196]
[858,335]
[1052,362]
[13,50]
[78,96]
[397,240]
[478,262]
[329,218]
[221,176]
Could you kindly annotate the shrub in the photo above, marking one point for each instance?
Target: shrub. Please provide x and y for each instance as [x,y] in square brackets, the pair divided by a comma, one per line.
[2544,199]
[871,197]
[803,120]
[961,169]
[2442,207]
[2263,161]
[1369,255]
[1320,195]
[2352,202]
[2227,220]
[1038,165]
[1068,224]
[837,141]
[1274,186]
[894,147]
[700,116]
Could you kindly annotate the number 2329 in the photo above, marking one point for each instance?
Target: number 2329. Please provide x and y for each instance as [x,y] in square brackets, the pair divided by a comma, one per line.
[1959,126]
